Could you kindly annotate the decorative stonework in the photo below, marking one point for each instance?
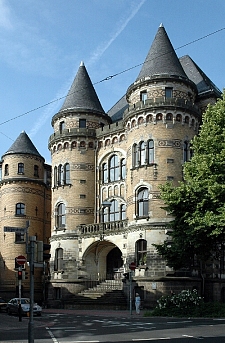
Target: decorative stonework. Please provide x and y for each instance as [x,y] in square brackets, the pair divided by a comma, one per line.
[82,166]
[169,143]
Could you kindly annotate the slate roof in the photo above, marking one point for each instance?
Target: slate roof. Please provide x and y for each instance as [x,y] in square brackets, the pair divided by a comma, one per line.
[116,112]
[161,58]
[195,74]
[82,95]
[23,145]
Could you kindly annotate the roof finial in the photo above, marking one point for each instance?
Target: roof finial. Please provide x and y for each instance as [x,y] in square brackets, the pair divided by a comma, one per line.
[81,64]
[161,25]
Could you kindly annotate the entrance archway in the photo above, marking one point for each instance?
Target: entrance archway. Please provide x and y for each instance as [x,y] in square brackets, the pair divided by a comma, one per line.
[102,260]
[113,262]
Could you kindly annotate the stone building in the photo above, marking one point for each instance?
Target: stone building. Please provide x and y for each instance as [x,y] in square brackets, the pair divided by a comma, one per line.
[106,210]
[107,168]
[25,202]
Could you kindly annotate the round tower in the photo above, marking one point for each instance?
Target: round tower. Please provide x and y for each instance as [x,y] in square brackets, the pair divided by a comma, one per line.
[25,203]
[73,151]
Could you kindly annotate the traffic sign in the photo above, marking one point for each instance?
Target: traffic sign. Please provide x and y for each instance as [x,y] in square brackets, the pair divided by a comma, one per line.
[14,229]
[21,260]
[132,266]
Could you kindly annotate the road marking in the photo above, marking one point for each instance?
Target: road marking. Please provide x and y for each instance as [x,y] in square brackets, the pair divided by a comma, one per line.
[51,335]
[150,339]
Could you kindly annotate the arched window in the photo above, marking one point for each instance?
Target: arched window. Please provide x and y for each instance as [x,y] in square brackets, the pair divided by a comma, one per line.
[20,168]
[135,155]
[141,252]
[142,202]
[61,216]
[66,174]
[142,153]
[114,168]
[60,173]
[104,173]
[58,262]
[123,168]
[150,151]
[20,209]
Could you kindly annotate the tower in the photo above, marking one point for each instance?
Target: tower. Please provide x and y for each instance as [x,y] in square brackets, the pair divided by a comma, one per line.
[25,202]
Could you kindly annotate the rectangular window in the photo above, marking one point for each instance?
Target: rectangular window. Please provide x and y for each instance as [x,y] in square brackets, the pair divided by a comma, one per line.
[36,173]
[143,96]
[82,123]
[168,92]
[20,168]
[82,196]
[82,181]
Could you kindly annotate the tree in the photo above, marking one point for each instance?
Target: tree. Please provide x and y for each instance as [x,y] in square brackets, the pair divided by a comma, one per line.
[197,231]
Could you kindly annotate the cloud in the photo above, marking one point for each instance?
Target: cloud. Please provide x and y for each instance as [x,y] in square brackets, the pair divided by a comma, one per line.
[52,109]
[121,26]
[5,16]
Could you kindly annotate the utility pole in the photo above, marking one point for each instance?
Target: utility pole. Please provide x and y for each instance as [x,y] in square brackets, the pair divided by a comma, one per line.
[31,318]
[130,290]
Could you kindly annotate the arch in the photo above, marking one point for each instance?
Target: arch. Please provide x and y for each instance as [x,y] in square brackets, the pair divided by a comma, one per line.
[114,168]
[60,220]
[58,261]
[159,117]
[169,117]
[141,252]
[179,117]
[73,144]
[82,144]
[149,118]
[142,204]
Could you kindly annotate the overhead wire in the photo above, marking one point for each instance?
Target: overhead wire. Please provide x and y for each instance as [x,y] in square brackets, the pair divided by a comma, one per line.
[109,77]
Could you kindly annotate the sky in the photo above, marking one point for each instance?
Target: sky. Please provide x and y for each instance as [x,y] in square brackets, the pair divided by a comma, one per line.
[43,42]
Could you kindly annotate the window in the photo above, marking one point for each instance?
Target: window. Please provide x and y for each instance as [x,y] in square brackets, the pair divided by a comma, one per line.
[20,209]
[58,262]
[114,168]
[66,174]
[20,168]
[142,153]
[185,151]
[143,96]
[135,155]
[142,202]
[61,126]
[141,252]
[82,123]
[60,174]
[168,92]
[123,169]
[55,176]
[104,173]
[19,237]
[6,169]
[150,151]
[61,216]
[114,212]
[36,171]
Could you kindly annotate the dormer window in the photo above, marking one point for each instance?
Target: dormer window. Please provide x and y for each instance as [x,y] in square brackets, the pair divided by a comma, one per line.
[168,92]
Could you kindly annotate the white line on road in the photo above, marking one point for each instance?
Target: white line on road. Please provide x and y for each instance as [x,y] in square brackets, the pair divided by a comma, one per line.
[150,339]
[51,335]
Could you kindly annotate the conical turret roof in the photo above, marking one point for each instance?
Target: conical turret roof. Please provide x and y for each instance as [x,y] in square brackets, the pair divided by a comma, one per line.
[23,145]
[161,58]
[82,95]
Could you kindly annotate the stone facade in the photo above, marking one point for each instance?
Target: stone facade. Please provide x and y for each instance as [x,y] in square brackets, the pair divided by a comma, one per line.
[106,210]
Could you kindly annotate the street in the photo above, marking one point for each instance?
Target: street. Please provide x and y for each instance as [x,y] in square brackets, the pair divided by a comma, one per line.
[73,326]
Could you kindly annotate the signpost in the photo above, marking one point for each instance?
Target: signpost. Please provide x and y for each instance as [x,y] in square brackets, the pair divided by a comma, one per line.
[21,260]
[132,267]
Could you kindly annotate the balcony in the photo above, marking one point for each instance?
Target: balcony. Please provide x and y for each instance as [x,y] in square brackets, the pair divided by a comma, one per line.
[80,132]
[103,229]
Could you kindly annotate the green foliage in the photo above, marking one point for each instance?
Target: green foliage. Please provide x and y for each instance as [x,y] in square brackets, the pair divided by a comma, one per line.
[186,304]
[197,204]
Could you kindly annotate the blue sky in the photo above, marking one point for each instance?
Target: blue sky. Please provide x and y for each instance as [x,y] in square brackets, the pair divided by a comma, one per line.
[43,42]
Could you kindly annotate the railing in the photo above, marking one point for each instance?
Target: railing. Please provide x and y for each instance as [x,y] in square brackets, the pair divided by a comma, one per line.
[71,132]
[162,101]
[103,228]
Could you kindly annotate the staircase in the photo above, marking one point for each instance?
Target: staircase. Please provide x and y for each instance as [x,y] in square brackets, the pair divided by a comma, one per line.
[107,295]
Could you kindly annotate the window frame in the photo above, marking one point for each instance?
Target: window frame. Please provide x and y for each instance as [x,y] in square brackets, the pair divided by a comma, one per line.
[20,168]
[20,209]
[142,208]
